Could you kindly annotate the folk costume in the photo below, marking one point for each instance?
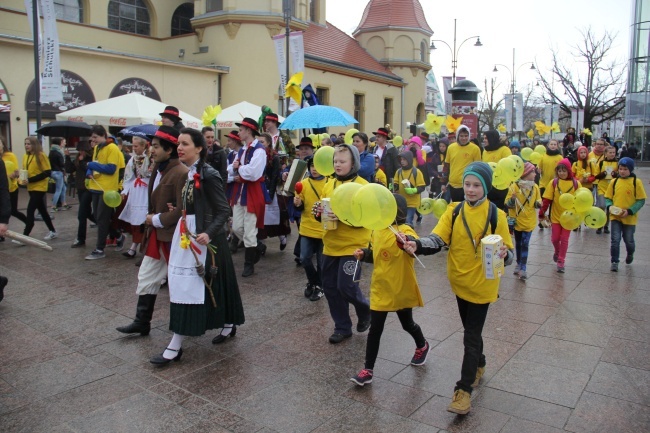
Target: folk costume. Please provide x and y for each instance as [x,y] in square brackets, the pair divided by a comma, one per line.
[136,187]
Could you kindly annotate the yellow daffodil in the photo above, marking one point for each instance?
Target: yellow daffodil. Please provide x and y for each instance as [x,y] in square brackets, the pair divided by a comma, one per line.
[452,124]
[294,88]
[210,115]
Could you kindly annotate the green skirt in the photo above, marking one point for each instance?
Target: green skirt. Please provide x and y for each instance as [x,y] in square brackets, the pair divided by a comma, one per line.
[194,319]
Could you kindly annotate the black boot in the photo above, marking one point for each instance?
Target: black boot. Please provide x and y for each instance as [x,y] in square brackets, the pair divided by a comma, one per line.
[261,249]
[249,261]
[143,315]
[234,243]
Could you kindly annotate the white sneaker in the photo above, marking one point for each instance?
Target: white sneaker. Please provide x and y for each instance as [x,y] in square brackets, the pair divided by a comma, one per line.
[50,236]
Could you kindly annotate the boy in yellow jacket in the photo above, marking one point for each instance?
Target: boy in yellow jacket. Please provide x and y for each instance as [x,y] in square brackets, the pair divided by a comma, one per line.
[311,231]
[626,193]
[409,183]
[606,170]
[463,232]
[394,287]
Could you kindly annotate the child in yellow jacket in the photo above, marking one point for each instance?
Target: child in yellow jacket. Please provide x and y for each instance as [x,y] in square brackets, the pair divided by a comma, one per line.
[394,287]
[606,170]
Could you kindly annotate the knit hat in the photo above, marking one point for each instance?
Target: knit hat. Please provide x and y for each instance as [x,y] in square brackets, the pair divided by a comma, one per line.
[627,162]
[528,168]
[481,170]
[356,162]
[515,144]
[580,149]
[567,164]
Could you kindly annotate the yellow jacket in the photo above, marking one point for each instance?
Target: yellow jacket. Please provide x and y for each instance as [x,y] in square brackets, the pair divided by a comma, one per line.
[416,178]
[312,190]
[380,177]
[524,211]
[553,194]
[547,167]
[31,165]
[496,155]
[109,154]
[624,197]
[458,157]
[580,172]
[10,157]
[605,166]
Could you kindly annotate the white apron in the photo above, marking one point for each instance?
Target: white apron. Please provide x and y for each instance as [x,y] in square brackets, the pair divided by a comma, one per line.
[137,205]
[185,284]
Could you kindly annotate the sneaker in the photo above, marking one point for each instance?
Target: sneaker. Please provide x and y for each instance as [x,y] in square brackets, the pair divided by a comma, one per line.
[523,275]
[599,231]
[555,257]
[38,217]
[54,209]
[517,269]
[363,325]
[96,254]
[479,374]
[560,269]
[119,244]
[5,280]
[17,242]
[629,259]
[614,267]
[420,356]
[318,293]
[50,236]
[461,403]
[78,244]
[606,230]
[419,220]
[364,377]
[309,290]
[298,262]
[66,207]
[336,338]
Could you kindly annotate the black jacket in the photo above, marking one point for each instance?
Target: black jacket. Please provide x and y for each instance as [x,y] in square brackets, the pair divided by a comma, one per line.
[56,161]
[389,161]
[5,203]
[218,159]
[78,168]
[210,204]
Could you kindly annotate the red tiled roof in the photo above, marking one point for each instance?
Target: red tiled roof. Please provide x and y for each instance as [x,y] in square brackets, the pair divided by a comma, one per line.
[332,44]
[394,13]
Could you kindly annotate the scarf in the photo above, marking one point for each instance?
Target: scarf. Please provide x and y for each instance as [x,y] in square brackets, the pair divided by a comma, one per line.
[58,149]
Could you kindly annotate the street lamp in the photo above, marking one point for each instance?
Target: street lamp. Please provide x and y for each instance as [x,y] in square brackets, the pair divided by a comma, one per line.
[287,12]
[513,76]
[454,51]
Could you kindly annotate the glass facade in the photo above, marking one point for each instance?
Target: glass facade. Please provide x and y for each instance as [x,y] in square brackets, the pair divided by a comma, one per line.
[637,101]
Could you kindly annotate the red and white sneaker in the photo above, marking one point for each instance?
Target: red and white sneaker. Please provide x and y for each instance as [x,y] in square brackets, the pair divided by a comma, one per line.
[364,377]
[420,356]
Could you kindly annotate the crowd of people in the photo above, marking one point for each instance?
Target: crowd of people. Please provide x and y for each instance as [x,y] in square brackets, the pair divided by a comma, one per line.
[188,203]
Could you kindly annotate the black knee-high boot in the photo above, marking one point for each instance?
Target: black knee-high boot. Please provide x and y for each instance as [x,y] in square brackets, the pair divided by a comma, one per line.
[143,315]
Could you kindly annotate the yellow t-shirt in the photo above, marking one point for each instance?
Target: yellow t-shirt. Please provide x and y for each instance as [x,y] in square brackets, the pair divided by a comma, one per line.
[594,160]
[345,239]
[380,177]
[601,167]
[394,285]
[109,154]
[524,211]
[10,157]
[547,167]
[579,172]
[416,179]
[624,197]
[563,186]
[496,155]
[30,164]
[311,193]
[464,261]
[459,157]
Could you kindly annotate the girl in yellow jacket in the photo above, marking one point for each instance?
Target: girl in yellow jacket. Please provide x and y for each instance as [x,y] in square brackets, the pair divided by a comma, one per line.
[12,177]
[394,287]
[38,172]
[311,231]
[606,170]
[461,228]
[584,170]
[338,276]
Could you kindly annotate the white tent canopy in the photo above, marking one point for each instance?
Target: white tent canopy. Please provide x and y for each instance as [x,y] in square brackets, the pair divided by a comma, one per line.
[125,110]
[236,113]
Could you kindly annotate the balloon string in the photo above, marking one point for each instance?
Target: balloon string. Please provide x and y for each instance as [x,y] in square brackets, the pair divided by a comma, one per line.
[412,255]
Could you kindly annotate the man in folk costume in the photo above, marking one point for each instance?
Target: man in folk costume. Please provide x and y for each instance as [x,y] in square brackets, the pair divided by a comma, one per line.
[249,197]
[171,117]
[281,141]
[388,157]
[165,187]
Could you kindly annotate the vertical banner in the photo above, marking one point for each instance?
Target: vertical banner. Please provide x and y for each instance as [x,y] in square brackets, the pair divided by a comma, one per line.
[519,112]
[577,119]
[279,43]
[508,109]
[29,7]
[551,113]
[297,52]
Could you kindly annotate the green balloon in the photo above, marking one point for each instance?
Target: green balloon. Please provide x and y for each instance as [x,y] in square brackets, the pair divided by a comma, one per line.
[112,198]
[324,160]
[526,152]
[440,207]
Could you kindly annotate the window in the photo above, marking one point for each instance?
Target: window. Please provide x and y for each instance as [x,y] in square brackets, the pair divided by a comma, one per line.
[423,51]
[291,4]
[313,10]
[323,95]
[130,16]
[388,111]
[69,10]
[359,108]
[181,19]
[214,5]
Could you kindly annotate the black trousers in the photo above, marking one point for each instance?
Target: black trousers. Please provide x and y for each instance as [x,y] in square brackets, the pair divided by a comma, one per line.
[37,203]
[457,194]
[85,213]
[13,196]
[473,318]
[377,321]
[102,214]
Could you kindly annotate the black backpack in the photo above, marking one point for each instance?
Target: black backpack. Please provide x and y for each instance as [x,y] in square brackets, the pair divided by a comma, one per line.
[493,217]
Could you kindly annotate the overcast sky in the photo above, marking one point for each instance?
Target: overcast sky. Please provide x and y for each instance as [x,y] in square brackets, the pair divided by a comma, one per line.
[503,25]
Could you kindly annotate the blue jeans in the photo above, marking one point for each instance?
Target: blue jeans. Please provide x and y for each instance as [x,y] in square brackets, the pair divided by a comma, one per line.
[308,248]
[627,233]
[410,214]
[522,239]
[60,190]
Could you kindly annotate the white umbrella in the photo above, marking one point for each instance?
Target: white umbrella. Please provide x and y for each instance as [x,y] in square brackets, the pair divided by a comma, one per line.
[125,110]
[236,113]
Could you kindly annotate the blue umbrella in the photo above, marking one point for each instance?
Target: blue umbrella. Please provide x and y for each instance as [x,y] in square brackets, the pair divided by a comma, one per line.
[317,116]
[139,131]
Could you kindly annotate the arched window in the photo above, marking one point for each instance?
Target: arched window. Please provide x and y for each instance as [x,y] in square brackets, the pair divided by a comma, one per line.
[423,51]
[69,10]
[181,19]
[129,16]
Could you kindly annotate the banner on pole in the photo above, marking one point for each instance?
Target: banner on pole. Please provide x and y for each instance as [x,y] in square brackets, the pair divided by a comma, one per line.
[519,112]
[278,42]
[297,52]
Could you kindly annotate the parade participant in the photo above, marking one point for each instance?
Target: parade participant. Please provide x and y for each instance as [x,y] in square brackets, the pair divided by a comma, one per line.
[103,175]
[367,170]
[217,155]
[165,187]
[515,147]
[5,213]
[380,176]
[564,183]
[57,164]
[548,164]
[387,152]
[437,166]
[411,190]
[202,284]
[8,156]
[522,200]
[626,192]
[493,151]
[474,292]
[281,141]
[394,287]
[583,169]
[340,282]
[234,145]
[606,170]
[459,155]
[78,167]
[248,198]
[135,192]
[38,172]
[171,117]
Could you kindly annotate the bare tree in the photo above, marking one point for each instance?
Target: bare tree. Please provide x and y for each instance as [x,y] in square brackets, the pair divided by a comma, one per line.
[488,116]
[590,81]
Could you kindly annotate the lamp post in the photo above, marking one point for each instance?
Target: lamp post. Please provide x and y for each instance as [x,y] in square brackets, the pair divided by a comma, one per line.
[287,35]
[454,51]
[513,76]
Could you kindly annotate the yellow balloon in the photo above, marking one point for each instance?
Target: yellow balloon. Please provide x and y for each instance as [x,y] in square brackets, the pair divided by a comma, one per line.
[567,201]
[508,166]
[500,179]
[341,202]
[535,158]
[398,141]
[526,152]
[493,165]
[112,198]
[583,200]
[519,166]
[570,220]
[595,218]
[348,137]
[426,206]
[324,160]
[582,188]
[541,149]
[374,207]
[440,207]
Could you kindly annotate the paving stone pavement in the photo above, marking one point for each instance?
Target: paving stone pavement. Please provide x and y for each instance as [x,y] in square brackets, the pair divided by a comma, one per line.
[565,352]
